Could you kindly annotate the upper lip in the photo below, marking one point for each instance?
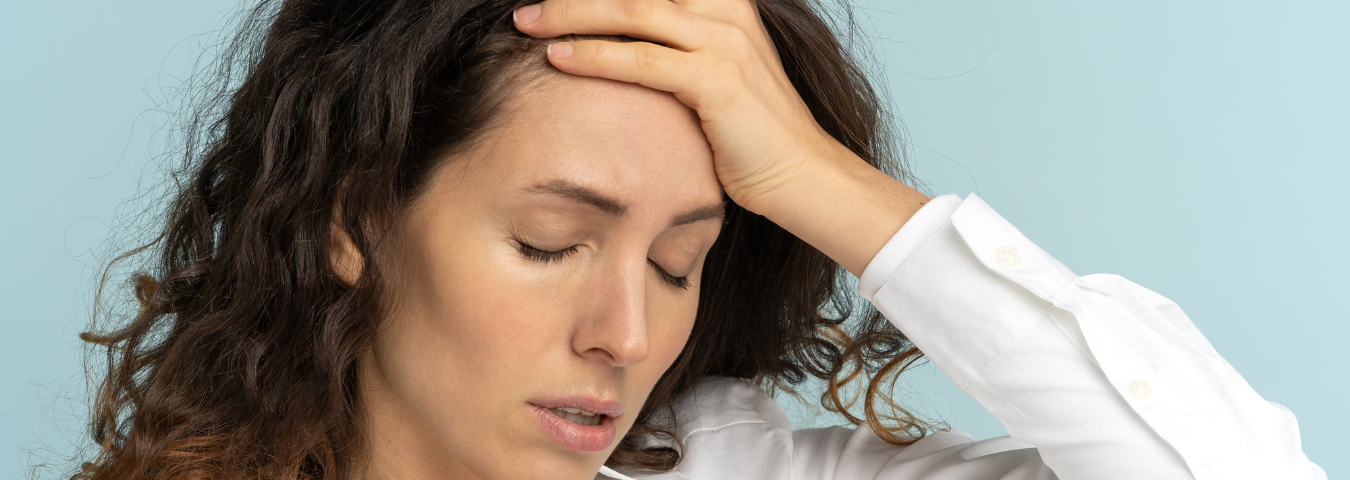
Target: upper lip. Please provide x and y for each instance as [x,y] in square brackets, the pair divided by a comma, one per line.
[611,408]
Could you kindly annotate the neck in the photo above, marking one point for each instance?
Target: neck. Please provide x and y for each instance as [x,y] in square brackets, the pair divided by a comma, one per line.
[396,444]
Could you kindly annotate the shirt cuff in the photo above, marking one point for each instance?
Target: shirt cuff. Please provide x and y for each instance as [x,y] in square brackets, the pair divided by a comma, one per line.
[911,235]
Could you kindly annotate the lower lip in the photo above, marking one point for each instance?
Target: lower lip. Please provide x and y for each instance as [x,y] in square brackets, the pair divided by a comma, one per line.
[575,436]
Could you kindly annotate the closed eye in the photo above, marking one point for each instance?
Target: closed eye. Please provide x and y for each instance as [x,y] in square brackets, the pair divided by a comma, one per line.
[677,282]
[546,256]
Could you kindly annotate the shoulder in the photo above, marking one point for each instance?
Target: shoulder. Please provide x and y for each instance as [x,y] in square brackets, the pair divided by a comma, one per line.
[728,426]
[718,402]
[720,407]
[733,429]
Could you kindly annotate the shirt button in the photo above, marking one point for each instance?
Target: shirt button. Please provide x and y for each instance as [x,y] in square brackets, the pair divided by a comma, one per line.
[1008,257]
[1140,389]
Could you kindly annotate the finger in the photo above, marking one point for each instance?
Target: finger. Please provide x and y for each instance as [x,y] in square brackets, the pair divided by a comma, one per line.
[741,14]
[655,20]
[643,63]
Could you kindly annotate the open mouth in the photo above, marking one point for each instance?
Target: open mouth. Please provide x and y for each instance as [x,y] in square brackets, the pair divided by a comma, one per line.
[578,429]
[578,416]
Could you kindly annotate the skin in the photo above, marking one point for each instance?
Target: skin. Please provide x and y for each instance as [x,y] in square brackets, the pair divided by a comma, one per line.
[769,153]
[663,130]
[482,328]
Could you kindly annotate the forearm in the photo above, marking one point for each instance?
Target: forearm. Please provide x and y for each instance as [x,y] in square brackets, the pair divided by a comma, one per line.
[1106,378]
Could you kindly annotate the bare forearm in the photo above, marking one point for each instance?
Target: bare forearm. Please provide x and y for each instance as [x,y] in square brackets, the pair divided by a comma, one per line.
[842,206]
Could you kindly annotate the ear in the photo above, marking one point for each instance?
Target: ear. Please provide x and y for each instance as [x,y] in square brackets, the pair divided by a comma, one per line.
[343,257]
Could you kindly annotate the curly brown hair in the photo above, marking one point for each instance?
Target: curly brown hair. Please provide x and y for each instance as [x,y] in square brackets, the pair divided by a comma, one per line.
[346,107]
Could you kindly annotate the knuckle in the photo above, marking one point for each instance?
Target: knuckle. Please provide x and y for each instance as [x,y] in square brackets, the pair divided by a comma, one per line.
[730,34]
[602,52]
[701,76]
[562,10]
[741,11]
[747,10]
[731,69]
[638,9]
[646,57]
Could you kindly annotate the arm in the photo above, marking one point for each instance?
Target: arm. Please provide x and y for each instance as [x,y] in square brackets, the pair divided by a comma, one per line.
[1106,378]
[1054,356]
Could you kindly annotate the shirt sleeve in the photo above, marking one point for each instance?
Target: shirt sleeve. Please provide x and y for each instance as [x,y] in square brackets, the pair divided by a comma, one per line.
[1107,379]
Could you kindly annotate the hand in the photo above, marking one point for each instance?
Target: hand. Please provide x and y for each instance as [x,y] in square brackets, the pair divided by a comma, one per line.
[769,153]
[718,60]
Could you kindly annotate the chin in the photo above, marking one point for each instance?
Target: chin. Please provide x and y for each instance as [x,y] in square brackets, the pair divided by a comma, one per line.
[547,466]
[530,455]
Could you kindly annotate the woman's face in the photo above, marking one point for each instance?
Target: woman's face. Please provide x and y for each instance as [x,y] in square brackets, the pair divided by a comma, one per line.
[556,265]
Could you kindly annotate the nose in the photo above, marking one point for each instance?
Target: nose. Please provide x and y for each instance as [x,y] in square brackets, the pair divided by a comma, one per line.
[614,327]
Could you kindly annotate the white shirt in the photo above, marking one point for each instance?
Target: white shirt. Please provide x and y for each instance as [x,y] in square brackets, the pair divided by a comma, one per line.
[1094,377]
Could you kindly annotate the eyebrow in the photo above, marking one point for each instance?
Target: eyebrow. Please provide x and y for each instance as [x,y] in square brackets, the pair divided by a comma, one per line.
[703,213]
[583,194]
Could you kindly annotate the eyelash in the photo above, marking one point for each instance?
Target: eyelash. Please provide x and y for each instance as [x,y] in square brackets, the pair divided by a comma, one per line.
[545,256]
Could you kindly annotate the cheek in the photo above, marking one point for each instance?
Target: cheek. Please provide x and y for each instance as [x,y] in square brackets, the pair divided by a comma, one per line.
[471,317]
[671,316]
[672,327]
[468,336]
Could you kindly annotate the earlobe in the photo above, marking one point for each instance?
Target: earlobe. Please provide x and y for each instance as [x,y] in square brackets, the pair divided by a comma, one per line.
[344,258]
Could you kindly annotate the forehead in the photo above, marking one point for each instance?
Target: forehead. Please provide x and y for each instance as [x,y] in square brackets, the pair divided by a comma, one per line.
[633,142]
[585,105]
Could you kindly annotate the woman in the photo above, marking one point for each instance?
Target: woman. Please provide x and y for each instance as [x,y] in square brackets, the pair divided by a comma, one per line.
[418,246]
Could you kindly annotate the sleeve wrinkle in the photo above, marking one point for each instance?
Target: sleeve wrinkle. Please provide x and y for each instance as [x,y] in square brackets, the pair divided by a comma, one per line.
[1106,378]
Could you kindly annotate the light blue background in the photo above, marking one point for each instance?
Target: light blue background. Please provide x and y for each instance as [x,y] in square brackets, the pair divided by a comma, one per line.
[1198,148]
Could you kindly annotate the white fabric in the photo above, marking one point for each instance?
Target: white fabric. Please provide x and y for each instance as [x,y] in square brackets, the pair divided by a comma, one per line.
[1094,377]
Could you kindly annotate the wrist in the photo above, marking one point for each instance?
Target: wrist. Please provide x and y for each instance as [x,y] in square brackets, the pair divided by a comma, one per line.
[775,193]
[839,204]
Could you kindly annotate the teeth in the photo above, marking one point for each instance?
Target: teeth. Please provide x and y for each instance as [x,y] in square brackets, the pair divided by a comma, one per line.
[577,411]
[577,415]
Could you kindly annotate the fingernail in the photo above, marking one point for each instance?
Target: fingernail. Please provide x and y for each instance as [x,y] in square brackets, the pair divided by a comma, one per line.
[527,14]
[560,50]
